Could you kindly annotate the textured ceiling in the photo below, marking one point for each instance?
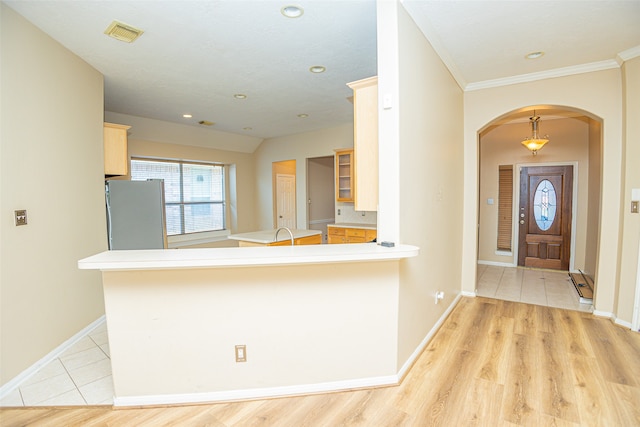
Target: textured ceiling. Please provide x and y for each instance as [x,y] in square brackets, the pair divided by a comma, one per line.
[195,55]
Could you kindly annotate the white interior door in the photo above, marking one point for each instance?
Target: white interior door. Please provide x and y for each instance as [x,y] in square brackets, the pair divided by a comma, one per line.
[286,200]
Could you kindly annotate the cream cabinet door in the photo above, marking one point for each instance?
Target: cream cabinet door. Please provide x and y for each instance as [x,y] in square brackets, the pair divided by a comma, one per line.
[365,143]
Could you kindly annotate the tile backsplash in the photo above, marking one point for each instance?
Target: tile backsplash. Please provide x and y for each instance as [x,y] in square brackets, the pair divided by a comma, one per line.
[348,214]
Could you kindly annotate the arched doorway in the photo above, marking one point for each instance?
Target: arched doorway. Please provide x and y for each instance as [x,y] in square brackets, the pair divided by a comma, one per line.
[574,144]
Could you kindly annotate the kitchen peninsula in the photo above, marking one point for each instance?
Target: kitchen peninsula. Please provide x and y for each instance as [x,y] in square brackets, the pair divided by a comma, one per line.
[312,318]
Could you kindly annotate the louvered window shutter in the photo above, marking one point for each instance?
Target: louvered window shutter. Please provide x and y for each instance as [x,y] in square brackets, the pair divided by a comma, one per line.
[505,206]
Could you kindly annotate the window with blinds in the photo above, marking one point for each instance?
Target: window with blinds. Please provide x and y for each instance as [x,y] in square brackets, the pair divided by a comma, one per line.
[193,192]
[505,207]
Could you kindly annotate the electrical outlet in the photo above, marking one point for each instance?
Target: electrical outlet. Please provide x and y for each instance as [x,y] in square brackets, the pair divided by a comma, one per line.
[439,296]
[241,353]
[21,217]
[634,206]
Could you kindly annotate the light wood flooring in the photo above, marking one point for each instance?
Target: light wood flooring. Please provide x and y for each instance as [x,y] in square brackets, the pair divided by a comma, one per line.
[492,363]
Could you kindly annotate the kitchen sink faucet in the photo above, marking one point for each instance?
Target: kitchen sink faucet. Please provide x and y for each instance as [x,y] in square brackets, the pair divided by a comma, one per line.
[275,239]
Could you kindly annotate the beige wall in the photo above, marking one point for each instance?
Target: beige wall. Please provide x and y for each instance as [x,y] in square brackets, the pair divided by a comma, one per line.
[297,147]
[175,145]
[51,164]
[303,326]
[598,93]
[630,232]
[569,142]
[429,129]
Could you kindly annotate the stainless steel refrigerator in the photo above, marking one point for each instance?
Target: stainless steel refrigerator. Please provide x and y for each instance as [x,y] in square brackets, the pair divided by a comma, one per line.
[136,214]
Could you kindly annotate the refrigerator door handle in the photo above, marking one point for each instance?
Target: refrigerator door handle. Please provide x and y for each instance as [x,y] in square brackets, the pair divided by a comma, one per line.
[108,215]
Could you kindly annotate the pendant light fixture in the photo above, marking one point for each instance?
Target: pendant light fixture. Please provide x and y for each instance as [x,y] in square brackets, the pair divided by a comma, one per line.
[535,142]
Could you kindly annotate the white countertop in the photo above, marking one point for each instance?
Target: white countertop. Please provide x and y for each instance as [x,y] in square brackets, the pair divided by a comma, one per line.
[157,259]
[354,225]
[267,236]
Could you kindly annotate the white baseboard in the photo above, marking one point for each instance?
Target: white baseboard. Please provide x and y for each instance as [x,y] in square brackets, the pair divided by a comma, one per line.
[603,313]
[52,355]
[621,322]
[613,318]
[469,294]
[497,264]
[258,393]
[416,353]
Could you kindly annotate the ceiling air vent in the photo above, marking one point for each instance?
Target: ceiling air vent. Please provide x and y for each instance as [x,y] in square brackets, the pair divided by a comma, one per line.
[123,32]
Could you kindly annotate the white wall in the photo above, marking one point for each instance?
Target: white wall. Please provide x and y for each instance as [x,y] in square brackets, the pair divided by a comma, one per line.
[51,164]
[598,93]
[297,147]
[424,130]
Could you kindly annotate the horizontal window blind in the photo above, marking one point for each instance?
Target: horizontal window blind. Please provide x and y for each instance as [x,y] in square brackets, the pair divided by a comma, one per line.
[505,207]
[194,193]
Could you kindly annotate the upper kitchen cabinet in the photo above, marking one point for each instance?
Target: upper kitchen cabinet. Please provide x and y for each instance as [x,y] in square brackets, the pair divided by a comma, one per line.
[116,159]
[365,143]
[344,176]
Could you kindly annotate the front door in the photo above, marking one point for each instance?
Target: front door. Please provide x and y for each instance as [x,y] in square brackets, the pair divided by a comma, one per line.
[545,217]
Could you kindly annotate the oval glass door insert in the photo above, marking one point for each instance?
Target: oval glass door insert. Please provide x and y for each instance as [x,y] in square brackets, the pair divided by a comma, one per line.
[544,204]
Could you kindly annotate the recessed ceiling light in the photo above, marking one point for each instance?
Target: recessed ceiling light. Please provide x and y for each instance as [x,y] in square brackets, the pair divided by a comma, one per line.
[240,96]
[292,11]
[303,116]
[534,55]
[206,123]
[247,128]
[187,116]
[317,69]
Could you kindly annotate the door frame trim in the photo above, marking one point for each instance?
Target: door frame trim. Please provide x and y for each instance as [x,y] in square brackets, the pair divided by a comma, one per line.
[515,243]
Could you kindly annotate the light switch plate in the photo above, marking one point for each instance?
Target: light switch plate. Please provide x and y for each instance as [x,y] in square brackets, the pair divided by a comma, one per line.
[21,217]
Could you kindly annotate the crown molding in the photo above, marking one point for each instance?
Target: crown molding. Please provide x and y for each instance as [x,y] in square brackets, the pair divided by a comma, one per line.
[542,75]
[628,54]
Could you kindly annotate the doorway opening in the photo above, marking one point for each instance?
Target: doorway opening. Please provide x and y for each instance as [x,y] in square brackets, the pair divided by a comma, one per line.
[321,199]
[574,149]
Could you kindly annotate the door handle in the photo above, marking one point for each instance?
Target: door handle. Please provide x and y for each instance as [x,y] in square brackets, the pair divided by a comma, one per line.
[522,222]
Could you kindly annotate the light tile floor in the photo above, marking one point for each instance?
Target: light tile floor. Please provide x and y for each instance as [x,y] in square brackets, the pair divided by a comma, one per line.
[80,376]
[533,286]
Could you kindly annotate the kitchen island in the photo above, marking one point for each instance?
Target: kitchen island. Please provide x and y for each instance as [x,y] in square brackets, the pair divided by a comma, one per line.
[283,238]
[313,319]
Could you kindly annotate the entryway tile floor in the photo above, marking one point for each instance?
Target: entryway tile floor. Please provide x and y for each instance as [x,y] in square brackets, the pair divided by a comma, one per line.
[529,285]
[82,375]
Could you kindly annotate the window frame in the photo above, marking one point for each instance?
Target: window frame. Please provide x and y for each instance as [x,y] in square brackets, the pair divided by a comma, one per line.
[204,236]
